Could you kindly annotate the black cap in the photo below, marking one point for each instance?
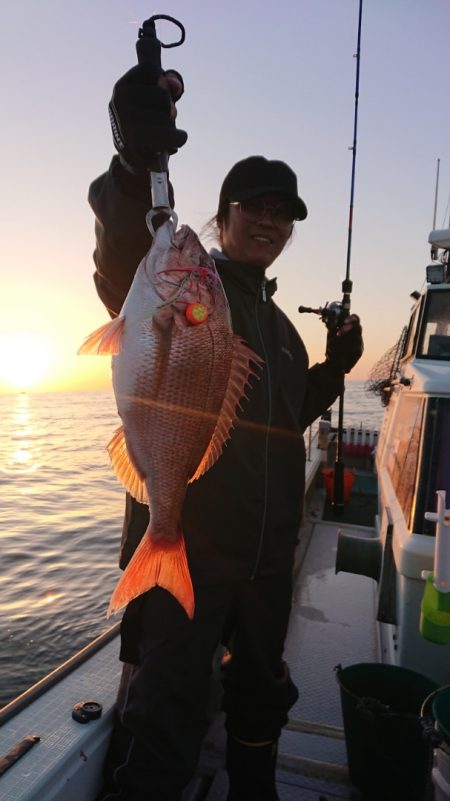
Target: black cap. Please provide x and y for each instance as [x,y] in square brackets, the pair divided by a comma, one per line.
[256,176]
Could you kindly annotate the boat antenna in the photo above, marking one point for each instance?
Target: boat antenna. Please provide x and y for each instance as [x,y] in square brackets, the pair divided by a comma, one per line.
[436,192]
[338,491]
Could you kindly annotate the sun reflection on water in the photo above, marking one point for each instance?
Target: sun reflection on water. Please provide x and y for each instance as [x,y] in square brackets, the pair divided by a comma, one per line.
[22,456]
[28,601]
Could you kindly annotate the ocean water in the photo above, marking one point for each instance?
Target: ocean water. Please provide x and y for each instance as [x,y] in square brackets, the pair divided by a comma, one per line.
[60,523]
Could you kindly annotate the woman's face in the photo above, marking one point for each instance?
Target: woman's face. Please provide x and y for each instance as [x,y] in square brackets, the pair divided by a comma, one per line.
[254,243]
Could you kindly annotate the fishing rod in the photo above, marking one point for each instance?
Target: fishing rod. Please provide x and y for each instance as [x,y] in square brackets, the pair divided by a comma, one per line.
[334,314]
[347,285]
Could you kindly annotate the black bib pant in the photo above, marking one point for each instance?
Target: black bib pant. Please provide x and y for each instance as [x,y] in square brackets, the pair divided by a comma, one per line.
[163,700]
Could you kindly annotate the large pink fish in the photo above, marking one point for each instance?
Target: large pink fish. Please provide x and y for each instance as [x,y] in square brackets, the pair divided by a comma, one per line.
[179,374]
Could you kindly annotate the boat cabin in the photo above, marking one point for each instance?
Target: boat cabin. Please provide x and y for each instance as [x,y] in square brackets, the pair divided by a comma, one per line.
[417,453]
[413,459]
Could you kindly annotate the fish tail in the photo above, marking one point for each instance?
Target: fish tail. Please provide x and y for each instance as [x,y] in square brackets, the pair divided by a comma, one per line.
[161,563]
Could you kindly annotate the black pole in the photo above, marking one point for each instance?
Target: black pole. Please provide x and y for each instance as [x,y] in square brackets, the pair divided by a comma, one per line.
[338,489]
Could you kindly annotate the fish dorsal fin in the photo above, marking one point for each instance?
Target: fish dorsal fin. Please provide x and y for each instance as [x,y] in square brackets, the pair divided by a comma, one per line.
[124,468]
[240,373]
[105,341]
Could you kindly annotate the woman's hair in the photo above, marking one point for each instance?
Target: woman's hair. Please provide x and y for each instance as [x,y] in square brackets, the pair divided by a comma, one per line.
[212,228]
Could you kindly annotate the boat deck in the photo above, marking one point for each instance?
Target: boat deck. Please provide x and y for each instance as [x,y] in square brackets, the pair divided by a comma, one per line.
[332,622]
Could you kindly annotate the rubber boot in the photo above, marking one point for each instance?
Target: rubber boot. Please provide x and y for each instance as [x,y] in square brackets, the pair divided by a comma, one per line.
[251,771]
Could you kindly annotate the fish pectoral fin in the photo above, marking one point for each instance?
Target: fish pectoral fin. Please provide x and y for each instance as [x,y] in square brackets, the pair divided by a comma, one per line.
[240,373]
[105,341]
[161,563]
[124,468]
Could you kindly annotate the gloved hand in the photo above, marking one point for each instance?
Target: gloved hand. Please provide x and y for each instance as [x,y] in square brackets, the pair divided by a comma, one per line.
[345,345]
[142,113]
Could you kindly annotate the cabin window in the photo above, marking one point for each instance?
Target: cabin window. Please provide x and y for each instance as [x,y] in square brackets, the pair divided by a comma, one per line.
[412,329]
[404,454]
[435,470]
[435,334]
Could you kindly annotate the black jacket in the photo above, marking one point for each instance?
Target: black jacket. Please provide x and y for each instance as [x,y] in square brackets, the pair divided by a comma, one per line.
[242,517]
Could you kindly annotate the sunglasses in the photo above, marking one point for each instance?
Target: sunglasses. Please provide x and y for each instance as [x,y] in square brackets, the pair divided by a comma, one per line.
[255,209]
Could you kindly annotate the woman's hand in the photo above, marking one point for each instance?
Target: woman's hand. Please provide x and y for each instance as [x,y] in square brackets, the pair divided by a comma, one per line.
[142,113]
[345,344]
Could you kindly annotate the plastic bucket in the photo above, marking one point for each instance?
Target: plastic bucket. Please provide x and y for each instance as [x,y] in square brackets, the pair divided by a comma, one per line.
[388,756]
[441,770]
[328,477]
[441,712]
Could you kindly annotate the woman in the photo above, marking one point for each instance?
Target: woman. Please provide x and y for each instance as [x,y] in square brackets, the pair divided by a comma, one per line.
[241,519]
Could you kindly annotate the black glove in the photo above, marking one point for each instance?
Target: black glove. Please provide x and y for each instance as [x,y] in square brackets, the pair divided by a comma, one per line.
[345,348]
[140,117]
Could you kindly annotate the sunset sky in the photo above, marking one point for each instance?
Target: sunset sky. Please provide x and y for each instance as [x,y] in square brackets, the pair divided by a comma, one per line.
[276,79]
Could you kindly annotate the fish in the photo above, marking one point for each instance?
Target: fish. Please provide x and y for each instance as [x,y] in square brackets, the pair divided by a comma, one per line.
[179,376]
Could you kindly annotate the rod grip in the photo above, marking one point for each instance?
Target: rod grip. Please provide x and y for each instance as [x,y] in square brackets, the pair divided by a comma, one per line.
[148,46]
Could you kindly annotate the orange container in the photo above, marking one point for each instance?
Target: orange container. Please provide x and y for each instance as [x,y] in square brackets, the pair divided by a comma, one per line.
[328,478]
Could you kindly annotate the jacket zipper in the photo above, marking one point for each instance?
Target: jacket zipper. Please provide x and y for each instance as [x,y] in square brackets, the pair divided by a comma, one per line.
[266,445]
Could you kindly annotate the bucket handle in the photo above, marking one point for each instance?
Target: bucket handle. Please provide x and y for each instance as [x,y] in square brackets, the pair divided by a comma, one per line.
[370,707]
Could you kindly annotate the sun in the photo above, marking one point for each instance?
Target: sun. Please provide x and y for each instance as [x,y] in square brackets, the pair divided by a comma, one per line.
[25,359]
